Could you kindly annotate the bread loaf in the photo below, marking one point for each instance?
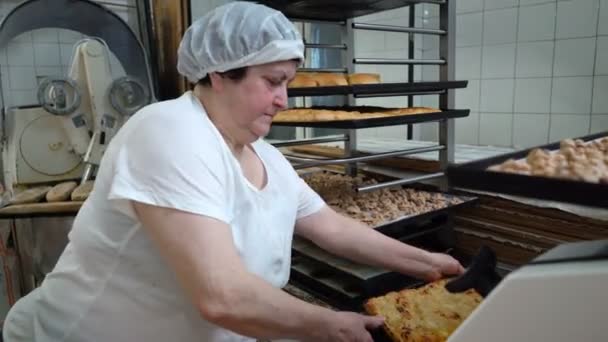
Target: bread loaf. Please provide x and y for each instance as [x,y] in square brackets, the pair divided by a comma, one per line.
[61,192]
[363,78]
[303,80]
[31,195]
[82,191]
[330,79]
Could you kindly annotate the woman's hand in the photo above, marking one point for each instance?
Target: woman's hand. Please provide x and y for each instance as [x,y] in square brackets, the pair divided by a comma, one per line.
[348,327]
[442,265]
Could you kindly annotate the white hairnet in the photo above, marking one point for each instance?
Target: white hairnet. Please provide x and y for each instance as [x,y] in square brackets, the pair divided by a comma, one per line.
[236,35]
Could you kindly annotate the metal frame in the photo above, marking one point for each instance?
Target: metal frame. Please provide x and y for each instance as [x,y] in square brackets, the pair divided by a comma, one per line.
[446,32]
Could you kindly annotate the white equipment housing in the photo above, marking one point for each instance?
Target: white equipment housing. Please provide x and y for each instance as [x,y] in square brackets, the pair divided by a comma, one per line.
[44,147]
[559,297]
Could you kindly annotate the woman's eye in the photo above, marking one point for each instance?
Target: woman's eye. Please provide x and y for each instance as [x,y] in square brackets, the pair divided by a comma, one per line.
[274,82]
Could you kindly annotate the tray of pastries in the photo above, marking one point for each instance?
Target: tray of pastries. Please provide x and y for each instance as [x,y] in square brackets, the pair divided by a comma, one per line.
[325,84]
[572,171]
[383,209]
[361,116]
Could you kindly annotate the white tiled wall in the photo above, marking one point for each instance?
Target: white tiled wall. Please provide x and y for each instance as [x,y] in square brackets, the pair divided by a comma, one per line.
[537,70]
[32,56]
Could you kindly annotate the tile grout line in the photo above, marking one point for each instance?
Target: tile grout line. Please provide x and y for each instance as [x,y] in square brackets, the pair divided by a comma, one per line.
[597,28]
[483,19]
[552,75]
[518,10]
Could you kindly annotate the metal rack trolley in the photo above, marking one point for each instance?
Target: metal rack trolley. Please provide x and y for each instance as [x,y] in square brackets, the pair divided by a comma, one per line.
[342,13]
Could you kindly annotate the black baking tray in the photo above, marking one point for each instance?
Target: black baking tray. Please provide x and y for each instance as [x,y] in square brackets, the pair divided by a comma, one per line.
[347,290]
[475,176]
[377,89]
[375,122]
[336,10]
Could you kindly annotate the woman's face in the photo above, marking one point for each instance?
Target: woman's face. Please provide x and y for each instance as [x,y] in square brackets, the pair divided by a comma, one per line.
[253,101]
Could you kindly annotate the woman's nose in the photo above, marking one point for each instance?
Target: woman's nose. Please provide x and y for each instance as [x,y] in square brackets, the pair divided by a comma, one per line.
[280,99]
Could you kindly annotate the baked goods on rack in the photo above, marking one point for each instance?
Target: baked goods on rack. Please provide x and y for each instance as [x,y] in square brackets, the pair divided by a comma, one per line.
[303,80]
[328,79]
[376,207]
[313,115]
[429,313]
[363,78]
[575,160]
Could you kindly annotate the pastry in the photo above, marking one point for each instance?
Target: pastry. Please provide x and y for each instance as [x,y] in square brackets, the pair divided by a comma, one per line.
[429,313]
[363,78]
[82,191]
[61,192]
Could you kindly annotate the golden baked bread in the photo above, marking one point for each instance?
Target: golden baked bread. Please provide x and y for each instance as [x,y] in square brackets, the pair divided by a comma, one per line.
[31,195]
[303,80]
[61,191]
[326,79]
[363,78]
[411,110]
[312,115]
[429,313]
[82,191]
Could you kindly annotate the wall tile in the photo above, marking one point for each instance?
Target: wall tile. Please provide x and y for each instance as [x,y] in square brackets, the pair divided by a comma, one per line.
[533,95]
[523,3]
[571,95]
[468,63]
[22,77]
[603,24]
[568,126]
[574,57]
[21,98]
[599,123]
[429,131]
[467,129]
[366,41]
[534,59]
[576,18]
[45,35]
[469,29]
[537,22]
[20,54]
[497,4]
[600,94]
[530,130]
[463,6]
[497,96]
[47,54]
[500,26]
[468,98]
[498,61]
[495,129]
[601,57]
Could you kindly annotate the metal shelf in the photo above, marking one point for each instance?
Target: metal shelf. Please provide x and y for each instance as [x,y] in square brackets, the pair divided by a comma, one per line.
[338,10]
[380,89]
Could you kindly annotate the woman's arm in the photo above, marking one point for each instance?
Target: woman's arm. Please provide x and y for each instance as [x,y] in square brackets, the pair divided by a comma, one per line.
[201,252]
[351,239]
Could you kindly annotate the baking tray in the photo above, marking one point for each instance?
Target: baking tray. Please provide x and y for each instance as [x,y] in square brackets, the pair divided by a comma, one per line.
[410,225]
[375,122]
[336,10]
[474,175]
[328,277]
[377,89]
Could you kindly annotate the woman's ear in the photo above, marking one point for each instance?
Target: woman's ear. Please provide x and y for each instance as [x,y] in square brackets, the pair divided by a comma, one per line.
[217,81]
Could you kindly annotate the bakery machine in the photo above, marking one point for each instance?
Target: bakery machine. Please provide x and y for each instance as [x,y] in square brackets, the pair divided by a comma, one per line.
[558,297]
[63,136]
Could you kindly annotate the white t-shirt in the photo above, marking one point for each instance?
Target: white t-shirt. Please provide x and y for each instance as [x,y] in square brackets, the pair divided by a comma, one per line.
[110,283]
